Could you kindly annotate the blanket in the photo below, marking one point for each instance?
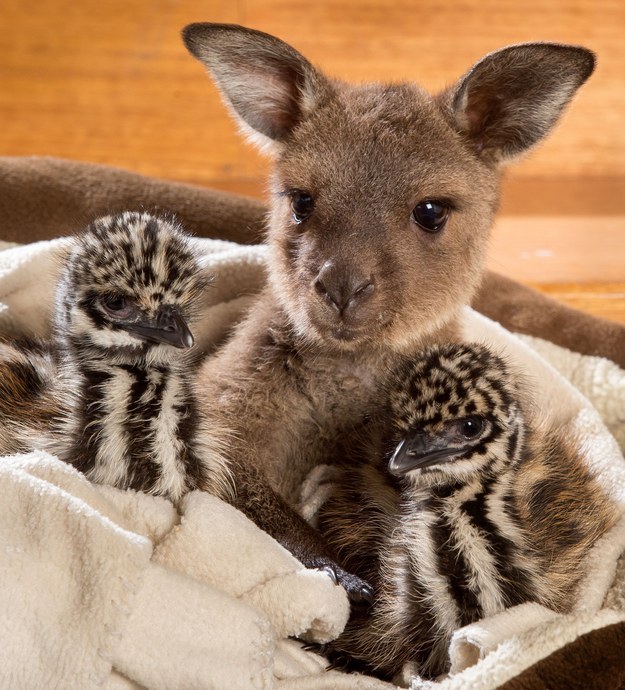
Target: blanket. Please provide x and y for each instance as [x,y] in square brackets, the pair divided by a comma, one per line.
[112,589]
[104,588]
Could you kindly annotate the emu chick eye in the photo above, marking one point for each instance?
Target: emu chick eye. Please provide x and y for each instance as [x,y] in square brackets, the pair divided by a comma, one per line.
[471,427]
[302,205]
[430,215]
[117,305]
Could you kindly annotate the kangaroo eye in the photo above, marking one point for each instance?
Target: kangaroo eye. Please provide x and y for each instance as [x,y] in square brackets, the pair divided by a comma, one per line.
[431,215]
[302,205]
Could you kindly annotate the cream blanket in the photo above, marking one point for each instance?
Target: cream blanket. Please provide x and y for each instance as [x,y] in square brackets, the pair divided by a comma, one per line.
[103,588]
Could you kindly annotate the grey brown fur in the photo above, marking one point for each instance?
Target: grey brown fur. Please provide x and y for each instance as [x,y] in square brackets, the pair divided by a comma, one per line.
[354,280]
[460,508]
[112,391]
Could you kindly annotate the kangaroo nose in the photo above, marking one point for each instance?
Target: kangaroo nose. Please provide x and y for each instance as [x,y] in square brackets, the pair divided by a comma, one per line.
[341,288]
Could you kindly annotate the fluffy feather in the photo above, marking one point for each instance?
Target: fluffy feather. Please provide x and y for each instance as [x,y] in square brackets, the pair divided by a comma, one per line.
[110,393]
[468,522]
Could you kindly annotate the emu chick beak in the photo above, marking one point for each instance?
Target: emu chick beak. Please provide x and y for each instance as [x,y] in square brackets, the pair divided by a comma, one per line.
[417,451]
[168,328]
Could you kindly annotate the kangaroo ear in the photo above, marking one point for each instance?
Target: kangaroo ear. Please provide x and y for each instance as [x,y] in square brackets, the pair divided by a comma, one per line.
[269,85]
[511,98]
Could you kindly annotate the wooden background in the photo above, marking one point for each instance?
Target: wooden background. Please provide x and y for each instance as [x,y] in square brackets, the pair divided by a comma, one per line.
[109,81]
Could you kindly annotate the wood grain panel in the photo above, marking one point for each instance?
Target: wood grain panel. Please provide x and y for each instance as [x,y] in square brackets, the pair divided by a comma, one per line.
[559,249]
[111,82]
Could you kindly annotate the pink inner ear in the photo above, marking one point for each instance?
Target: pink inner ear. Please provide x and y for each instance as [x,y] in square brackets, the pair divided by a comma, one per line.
[489,122]
[476,114]
[266,95]
[481,104]
[280,104]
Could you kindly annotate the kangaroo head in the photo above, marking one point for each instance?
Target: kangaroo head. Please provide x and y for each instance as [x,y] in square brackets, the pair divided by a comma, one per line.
[383,195]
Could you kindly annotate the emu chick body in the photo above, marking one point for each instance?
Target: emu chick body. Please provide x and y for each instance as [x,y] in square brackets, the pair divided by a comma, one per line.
[477,510]
[112,391]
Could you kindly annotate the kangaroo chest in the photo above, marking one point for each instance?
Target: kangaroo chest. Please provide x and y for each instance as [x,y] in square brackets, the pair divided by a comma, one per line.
[327,402]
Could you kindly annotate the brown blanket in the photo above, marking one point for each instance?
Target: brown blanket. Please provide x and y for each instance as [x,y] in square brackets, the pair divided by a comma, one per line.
[594,661]
[42,198]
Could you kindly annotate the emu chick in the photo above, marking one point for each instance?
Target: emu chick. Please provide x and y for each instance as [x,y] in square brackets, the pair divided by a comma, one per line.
[112,391]
[476,510]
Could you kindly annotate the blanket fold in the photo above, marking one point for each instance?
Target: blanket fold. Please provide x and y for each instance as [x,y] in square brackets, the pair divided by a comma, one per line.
[255,569]
[69,574]
[169,601]
[44,197]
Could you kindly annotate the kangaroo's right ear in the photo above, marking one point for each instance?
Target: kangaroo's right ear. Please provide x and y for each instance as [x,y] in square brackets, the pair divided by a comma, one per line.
[269,85]
[511,98]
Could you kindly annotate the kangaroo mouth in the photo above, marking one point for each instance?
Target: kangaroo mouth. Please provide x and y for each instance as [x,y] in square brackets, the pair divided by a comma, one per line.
[339,332]
[345,334]
[346,339]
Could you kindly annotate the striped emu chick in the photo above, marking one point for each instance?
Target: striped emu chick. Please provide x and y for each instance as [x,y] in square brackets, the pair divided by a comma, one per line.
[471,509]
[112,392]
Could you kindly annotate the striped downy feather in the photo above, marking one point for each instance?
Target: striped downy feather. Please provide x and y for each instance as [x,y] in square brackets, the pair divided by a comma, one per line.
[461,508]
[114,393]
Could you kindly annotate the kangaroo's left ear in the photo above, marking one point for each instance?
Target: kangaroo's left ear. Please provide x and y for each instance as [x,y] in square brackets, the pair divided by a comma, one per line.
[512,98]
[269,86]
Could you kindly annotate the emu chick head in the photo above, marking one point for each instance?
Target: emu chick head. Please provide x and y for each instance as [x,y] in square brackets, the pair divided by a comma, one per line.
[129,290]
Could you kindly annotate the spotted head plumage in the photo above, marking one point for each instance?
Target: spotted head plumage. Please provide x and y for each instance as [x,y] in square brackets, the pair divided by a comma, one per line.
[455,410]
[130,288]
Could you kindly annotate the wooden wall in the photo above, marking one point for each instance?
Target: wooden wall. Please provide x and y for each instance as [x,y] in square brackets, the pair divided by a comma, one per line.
[109,81]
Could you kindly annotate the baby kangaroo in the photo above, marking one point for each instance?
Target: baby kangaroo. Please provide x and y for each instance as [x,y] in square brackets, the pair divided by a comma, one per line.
[112,391]
[472,509]
[382,200]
